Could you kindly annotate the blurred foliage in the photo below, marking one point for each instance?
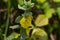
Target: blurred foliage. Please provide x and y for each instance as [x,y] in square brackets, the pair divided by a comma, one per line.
[29,19]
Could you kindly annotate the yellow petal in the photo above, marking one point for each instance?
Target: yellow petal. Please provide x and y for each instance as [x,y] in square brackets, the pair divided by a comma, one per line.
[27,31]
[26,22]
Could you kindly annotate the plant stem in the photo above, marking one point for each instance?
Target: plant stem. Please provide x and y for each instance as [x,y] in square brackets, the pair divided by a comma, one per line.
[7,22]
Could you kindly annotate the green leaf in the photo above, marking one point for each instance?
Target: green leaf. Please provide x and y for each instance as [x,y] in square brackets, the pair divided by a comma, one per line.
[14,27]
[23,33]
[22,7]
[55,24]
[32,4]
[12,36]
[46,5]
[58,12]
[38,7]
[18,19]
[41,20]
[56,1]
[40,1]
[27,5]
[40,34]
[20,2]
[50,29]
[26,14]
[49,12]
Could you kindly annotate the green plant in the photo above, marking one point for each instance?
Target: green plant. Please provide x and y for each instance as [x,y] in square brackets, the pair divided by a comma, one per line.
[32,20]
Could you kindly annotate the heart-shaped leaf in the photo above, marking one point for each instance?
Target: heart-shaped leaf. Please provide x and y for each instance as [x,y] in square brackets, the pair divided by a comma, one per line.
[41,20]
[40,34]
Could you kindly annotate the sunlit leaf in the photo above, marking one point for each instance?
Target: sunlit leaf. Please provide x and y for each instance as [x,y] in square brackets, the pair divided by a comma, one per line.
[56,0]
[14,27]
[21,2]
[40,34]
[27,5]
[49,13]
[41,1]
[21,7]
[13,36]
[46,5]
[41,20]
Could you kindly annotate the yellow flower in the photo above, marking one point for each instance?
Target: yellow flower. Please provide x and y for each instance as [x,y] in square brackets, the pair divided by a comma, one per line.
[27,31]
[26,21]
[41,1]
